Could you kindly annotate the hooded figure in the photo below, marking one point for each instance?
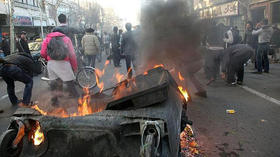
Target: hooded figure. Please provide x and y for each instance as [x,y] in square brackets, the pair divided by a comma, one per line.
[233,60]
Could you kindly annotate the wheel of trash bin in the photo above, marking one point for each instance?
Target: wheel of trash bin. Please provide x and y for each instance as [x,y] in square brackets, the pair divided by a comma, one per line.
[6,140]
[86,77]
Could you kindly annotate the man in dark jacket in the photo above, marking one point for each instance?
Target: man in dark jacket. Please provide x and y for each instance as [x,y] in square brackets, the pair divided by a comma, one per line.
[128,48]
[5,46]
[22,44]
[19,67]
[64,28]
[233,60]
[115,41]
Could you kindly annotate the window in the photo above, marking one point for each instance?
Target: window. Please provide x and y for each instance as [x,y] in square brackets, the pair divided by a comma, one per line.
[257,14]
[276,12]
[30,2]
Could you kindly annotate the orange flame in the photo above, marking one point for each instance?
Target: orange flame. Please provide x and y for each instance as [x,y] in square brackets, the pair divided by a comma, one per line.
[38,136]
[84,108]
[100,85]
[119,77]
[145,73]
[107,62]
[159,65]
[184,92]
[36,107]
[181,78]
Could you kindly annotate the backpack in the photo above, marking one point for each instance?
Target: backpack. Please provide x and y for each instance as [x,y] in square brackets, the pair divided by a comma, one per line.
[57,49]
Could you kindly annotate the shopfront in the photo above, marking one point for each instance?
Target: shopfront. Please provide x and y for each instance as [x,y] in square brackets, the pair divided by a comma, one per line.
[228,14]
[269,9]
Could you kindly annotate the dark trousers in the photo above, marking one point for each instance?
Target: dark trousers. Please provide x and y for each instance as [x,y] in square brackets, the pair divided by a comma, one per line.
[91,60]
[234,70]
[128,60]
[12,73]
[116,57]
[262,58]
[57,85]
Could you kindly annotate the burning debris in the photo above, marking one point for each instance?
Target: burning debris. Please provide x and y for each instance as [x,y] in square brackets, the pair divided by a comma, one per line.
[125,126]
[38,136]
[189,145]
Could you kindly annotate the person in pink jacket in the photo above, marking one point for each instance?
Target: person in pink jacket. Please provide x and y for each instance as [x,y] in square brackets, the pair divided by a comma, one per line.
[60,71]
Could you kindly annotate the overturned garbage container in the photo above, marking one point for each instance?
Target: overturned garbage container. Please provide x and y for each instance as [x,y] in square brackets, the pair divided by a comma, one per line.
[141,118]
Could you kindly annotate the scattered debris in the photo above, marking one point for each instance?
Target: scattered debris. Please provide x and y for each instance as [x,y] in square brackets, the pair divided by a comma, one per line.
[263,120]
[231,111]
[189,145]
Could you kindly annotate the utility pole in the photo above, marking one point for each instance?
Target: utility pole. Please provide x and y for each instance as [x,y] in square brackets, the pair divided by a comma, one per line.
[41,5]
[12,33]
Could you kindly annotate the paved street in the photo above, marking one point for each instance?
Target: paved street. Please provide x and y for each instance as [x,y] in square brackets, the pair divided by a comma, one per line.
[253,131]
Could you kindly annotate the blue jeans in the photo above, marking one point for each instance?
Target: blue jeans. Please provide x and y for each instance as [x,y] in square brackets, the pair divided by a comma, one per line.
[262,58]
[12,73]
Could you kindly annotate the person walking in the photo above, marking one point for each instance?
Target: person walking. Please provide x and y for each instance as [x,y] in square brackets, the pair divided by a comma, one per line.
[19,67]
[58,50]
[5,46]
[65,29]
[264,32]
[91,46]
[106,42]
[232,62]
[115,42]
[22,44]
[128,48]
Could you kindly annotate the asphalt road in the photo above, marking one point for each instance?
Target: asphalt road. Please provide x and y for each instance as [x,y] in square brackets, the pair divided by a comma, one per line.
[253,131]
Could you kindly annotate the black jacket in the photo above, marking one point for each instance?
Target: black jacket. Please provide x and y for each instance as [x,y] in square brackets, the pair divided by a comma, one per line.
[115,41]
[236,56]
[68,31]
[22,46]
[25,62]
[5,47]
[128,44]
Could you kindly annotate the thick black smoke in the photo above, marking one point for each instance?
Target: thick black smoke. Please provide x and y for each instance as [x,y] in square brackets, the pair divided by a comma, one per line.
[171,37]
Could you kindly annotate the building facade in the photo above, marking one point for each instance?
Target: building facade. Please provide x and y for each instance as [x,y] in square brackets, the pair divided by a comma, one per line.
[229,13]
[30,15]
[269,9]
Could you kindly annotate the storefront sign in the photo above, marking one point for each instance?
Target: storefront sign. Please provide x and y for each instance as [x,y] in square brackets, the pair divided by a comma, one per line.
[38,22]
[23,21]
[228,9]
[2,7]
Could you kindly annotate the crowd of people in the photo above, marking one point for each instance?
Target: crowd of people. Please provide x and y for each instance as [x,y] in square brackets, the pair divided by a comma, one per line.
[257,44]
[58,49]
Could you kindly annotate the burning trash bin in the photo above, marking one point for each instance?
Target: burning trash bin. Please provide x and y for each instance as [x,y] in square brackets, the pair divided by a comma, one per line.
[141,117]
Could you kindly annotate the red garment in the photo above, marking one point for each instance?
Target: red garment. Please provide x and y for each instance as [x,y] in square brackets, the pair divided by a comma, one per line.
[72,56]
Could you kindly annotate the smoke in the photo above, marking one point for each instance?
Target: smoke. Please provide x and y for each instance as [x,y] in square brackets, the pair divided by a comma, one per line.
[171,37]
